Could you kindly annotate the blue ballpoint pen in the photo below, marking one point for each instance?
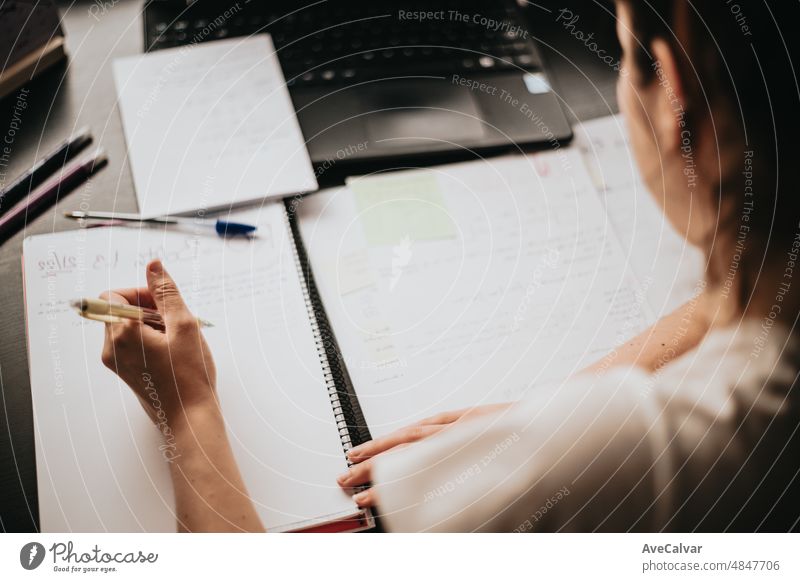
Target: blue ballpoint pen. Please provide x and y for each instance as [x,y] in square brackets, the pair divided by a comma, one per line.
[223,227]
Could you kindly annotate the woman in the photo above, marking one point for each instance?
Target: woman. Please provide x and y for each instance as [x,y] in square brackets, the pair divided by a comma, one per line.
[694,425]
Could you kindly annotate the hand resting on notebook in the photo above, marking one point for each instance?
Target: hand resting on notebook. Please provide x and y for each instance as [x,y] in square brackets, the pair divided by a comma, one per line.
[361,471]
[174,377]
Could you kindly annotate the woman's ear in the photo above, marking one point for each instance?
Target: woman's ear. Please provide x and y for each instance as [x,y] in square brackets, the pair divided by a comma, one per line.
[670,113]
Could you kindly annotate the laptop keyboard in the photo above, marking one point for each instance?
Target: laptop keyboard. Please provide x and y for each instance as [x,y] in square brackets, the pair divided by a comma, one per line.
[339,42]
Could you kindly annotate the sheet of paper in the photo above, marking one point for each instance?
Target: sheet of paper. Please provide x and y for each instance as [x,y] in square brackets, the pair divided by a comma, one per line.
[513,277]
[100,462]
[668,268]
[209,125]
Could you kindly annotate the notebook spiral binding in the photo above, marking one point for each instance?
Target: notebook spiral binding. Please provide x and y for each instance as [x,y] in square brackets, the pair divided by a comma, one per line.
[349,419]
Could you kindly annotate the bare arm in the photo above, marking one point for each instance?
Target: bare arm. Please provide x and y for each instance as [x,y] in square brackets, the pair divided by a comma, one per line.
[210,495]
[173,375]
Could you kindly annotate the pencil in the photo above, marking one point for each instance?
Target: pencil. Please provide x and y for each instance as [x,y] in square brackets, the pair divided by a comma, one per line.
[44,168]
[69,177]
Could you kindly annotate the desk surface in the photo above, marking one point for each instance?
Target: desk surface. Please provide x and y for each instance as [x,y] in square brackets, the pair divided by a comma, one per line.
[82,93]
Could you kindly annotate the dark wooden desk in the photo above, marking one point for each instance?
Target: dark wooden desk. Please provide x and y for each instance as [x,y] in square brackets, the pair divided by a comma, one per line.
[82,93]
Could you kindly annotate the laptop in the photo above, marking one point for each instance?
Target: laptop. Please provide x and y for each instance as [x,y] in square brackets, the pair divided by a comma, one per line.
[373,81]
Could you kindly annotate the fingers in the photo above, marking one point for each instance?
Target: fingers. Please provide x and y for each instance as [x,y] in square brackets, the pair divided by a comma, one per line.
[366,498]
[360,473]
[120,340]
[445,417]
[166,296]
[125,340]
[409,434]
[465,413]
[114,297]
[135,296]
[356,475]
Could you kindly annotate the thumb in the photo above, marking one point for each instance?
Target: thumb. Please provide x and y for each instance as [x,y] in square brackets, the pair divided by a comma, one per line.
[165,293]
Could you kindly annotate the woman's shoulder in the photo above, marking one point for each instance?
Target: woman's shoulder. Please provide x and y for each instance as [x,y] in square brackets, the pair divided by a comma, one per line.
[729,361]
[730,365]
[708,423]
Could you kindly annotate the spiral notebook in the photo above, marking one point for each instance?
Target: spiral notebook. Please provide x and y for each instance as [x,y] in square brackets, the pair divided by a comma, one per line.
[356,311]
[103,466]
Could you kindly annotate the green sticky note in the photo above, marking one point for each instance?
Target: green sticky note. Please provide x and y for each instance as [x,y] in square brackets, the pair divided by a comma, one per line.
[397,206]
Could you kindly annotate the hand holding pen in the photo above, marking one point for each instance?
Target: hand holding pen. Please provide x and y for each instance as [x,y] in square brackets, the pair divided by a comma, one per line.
[174,364]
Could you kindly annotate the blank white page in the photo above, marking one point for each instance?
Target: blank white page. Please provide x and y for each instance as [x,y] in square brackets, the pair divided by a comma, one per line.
[99,463]
[469,283]
[209,125]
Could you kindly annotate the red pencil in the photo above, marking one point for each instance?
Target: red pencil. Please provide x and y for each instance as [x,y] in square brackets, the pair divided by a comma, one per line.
[47,194]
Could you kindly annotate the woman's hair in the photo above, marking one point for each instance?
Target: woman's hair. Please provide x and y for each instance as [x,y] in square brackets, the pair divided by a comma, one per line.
[736,61]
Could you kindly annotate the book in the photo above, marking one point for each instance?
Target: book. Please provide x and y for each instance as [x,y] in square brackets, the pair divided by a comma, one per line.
[355,311]
[31,41]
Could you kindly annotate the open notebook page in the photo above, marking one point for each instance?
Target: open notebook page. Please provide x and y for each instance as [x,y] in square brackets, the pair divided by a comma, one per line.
[468,284]
[99,459]
[668,268]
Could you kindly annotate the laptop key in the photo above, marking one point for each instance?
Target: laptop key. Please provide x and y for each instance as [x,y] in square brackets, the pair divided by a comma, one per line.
[523,60]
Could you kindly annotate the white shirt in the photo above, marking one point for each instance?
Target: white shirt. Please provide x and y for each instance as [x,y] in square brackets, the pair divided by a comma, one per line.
[709,442]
